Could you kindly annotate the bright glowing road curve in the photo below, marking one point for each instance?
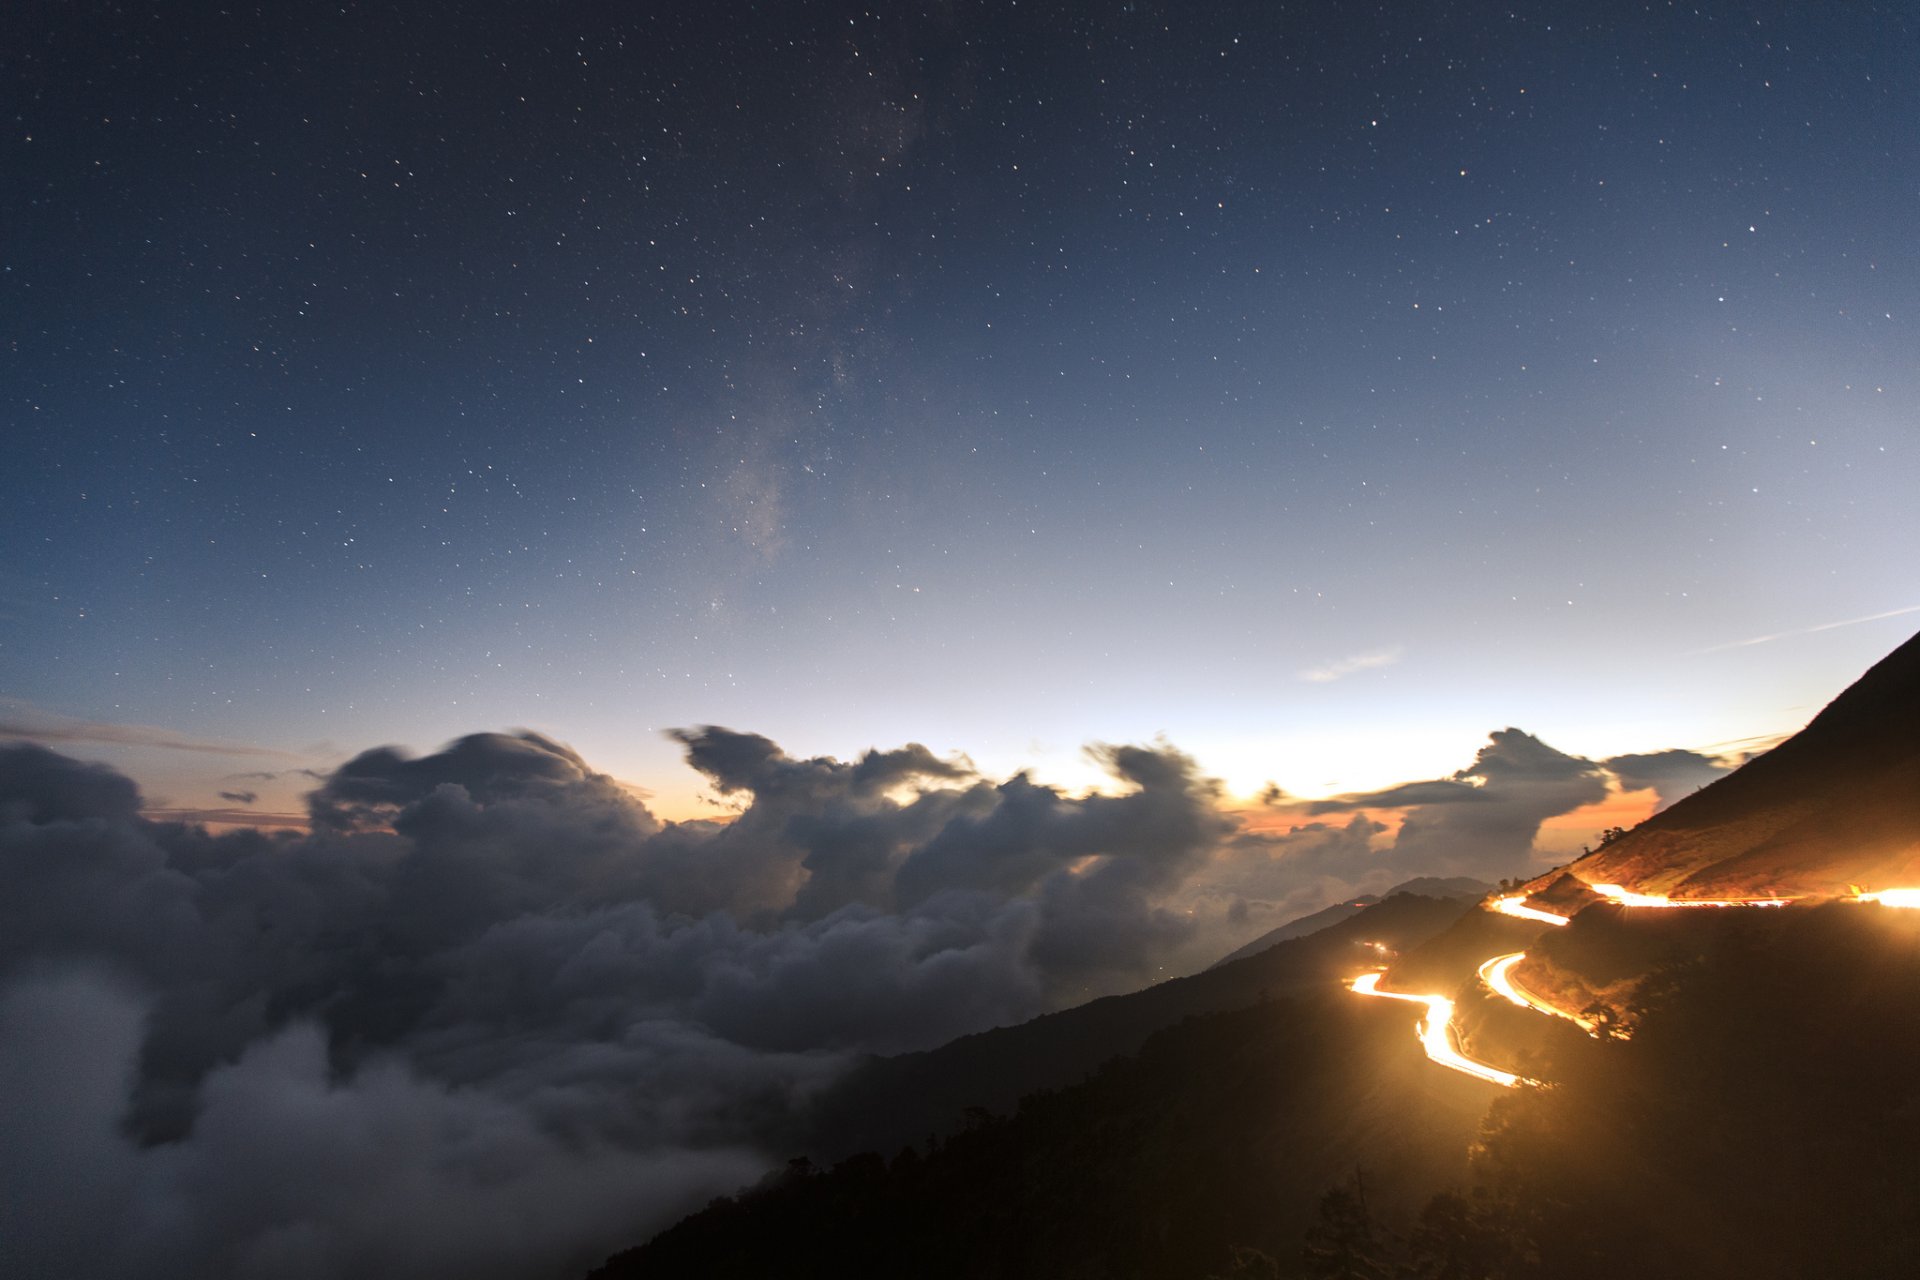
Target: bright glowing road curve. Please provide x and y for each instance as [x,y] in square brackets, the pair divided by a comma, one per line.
[1517,907]
[1436,1028]
[1497,973]
[1436,1034]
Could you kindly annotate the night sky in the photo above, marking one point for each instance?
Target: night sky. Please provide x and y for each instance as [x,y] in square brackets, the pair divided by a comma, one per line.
[572,571]
[1319,386]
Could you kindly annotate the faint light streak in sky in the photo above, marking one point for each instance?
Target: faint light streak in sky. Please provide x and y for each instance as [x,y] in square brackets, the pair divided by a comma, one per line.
[1807,631]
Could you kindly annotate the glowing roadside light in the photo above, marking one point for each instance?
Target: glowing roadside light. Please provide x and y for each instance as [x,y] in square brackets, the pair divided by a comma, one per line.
[1517,906]
[1436,1034]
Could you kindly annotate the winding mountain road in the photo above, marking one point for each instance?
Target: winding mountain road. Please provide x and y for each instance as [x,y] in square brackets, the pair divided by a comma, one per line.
[1441,1039]
[1437,1035]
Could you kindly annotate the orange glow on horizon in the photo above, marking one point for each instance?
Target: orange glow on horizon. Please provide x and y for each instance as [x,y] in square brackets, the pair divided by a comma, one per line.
[1567,833]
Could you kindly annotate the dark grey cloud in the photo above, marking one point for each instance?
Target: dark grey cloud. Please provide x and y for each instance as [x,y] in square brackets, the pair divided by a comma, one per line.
[1279,876]
[736,762]
[377,787]
[1517,782]
[239,797]
[1438,791]
[1482,821]
[1670,775]
[39,786]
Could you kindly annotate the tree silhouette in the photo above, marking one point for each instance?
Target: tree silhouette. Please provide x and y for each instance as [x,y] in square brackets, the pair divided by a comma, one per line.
[1340,1244]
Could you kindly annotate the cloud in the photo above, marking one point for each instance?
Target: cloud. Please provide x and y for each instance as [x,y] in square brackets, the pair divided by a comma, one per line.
[239,797]
[490,1014]
[22,720]
[293,1170]
[1482,820]
[1671,775]
[234,817]
[38,786]
[1339,669]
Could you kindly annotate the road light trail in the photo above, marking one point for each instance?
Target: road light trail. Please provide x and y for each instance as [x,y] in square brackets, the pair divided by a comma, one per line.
[1517,907]
[1436,1032]
[1906,898]
[1627,898]
[1437,1036]
[1497,973]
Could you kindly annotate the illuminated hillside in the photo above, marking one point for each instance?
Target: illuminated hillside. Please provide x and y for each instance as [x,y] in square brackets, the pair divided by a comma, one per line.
[1834,806]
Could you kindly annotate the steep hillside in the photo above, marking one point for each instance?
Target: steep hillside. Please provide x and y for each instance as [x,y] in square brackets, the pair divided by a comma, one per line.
[889,1102]
[1462,888]
[1224,1131]
[1837,804]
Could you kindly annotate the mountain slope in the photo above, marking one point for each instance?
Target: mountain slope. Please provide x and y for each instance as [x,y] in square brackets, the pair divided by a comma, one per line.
[1837,804]
[889,1102]
[1223,1131]
[1458,887]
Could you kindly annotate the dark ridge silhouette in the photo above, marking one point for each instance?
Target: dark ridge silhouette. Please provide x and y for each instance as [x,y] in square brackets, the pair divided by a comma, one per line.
[1759,1124]
[887,1102]
[1463,888]
[1220,1134]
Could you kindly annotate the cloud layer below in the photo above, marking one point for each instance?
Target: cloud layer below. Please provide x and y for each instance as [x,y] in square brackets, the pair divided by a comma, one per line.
[492,1017]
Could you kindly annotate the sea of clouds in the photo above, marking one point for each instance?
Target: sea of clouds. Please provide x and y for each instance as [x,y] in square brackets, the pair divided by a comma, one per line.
[490,1016]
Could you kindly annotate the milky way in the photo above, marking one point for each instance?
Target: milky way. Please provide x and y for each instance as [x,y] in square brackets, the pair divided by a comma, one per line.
[998,376]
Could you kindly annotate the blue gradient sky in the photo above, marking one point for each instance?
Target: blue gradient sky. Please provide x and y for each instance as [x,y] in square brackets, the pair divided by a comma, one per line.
[1003,377]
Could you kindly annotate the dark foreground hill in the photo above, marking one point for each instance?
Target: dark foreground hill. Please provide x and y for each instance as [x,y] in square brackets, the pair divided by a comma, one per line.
[1462,888]
[1221,1132]
[888,1102]
[1759,1124]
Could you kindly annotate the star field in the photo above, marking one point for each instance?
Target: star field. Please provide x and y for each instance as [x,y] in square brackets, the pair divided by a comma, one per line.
[1004,376]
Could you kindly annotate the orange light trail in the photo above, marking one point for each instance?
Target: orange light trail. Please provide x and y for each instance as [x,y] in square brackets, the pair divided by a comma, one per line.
[1436,1034]
[1497,973]
[1907,898]
[1517,906]
[1627,898]
[1435,1030]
